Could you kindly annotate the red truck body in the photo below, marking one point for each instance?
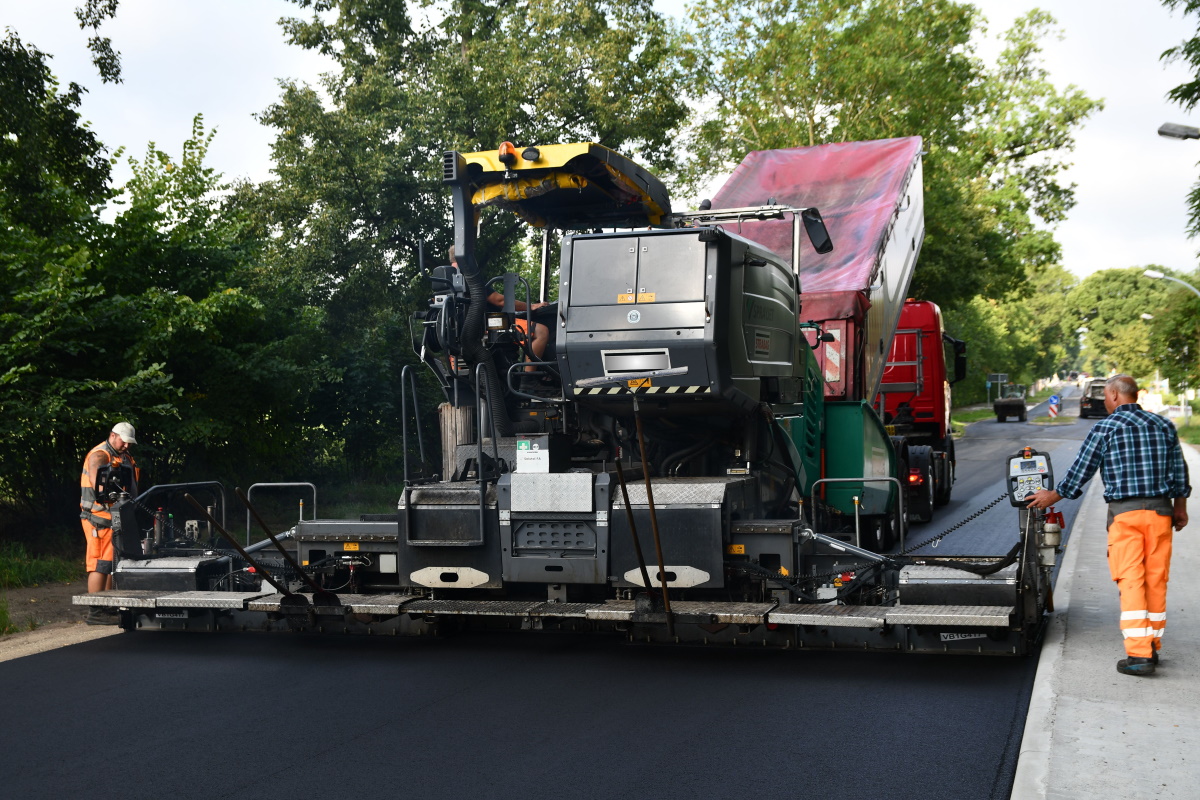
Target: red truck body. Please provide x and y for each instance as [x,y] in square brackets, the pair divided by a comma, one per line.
[915,383]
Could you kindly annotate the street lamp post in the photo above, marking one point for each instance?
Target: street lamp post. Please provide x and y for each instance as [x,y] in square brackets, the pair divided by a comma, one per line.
[1153,273]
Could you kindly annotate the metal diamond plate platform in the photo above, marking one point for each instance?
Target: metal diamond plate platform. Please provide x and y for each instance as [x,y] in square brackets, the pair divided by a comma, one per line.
[975,616]
[268,602]
[565,610]
[116,598]
[487,608]
[388,604]
[829,615]
[236,600]
[690,611]
[677,492]
[929,574]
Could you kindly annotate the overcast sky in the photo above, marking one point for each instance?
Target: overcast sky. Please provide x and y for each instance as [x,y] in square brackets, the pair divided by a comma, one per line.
[224,58]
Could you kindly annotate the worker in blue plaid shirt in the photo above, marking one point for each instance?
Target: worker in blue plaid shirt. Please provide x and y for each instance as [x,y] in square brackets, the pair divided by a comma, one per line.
[1146,488]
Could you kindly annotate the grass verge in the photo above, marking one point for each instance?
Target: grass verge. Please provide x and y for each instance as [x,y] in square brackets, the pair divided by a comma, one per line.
[19,568]
[1189,433]
[6,624]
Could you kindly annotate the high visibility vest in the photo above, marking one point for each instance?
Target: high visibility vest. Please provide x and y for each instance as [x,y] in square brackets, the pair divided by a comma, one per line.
[90,502]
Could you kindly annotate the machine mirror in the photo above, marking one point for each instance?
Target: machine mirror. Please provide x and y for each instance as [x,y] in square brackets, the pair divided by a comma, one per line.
[814,226]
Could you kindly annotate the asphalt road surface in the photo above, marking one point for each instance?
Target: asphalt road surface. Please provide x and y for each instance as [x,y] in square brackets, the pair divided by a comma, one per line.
[159,715]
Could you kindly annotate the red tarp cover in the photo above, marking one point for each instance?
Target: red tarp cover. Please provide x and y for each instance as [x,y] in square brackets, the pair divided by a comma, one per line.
[855,185]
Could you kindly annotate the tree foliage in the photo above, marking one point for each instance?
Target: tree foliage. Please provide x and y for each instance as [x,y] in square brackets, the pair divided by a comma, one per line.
[153,317]
[1187,94]
[1110,304]
[802,72]
[107,60]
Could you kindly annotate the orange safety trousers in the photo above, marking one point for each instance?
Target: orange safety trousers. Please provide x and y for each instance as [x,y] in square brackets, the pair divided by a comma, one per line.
[1139,558]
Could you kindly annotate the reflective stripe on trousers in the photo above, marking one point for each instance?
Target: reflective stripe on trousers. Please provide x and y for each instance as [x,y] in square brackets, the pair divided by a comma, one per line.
[1139,559]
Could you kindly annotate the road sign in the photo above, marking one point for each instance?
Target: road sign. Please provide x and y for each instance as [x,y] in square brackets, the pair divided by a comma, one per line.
[1053,409]
[998,377]
[1054,399]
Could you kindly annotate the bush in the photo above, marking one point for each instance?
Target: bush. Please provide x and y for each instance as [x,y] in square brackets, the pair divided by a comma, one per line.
[19,568]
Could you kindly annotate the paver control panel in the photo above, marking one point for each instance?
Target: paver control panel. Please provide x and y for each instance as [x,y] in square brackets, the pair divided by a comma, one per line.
[1028,471]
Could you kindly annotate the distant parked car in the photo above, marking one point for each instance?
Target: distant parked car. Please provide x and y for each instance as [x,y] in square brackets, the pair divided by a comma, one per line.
[1011,403]
[1091,403]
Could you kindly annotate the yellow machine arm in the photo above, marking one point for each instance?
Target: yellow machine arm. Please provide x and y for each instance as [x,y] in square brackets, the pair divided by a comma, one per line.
[567,186]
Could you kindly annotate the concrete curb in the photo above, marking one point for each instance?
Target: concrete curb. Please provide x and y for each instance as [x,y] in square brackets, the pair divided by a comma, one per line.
[51,637]
[1033,762]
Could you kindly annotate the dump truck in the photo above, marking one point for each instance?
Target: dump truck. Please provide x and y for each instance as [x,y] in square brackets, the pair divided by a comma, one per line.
[1010,403]
[915,398]
[673,469]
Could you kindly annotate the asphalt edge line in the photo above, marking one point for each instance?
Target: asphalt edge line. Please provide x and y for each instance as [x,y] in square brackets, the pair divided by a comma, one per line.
[1033,761]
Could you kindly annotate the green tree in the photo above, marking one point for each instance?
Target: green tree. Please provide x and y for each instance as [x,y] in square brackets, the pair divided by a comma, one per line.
[1175,331]
[802,72]
[62,372]
[1043,325]
[157,316]
[189,267]
[1187,95]
[1110,304]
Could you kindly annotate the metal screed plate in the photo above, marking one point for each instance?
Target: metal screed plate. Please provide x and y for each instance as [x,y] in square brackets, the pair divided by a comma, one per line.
[234,600]
[829,615]
[972,616]
[116,598]
[690,611]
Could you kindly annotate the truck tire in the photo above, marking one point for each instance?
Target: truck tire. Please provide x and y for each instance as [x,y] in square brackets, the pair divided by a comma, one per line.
[945,483]
[999,418]
[1022,418]
[879,533]
[921,498]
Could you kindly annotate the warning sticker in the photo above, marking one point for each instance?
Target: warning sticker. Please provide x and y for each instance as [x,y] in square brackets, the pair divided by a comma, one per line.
[626,298]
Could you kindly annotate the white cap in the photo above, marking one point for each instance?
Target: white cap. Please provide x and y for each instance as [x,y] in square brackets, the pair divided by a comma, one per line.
[125,431]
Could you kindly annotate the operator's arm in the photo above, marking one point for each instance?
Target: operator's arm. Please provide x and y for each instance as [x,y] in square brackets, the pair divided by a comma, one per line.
[1178,482]
[497,299]
[87,496]
[1085,465]
[1071,486]
[1180,513]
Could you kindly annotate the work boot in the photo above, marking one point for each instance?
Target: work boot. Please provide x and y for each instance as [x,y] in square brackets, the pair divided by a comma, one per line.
[1135,666]
[98,615]
[1154,658]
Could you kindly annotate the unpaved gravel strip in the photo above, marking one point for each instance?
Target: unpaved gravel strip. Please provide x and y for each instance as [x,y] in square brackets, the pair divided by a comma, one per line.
[51,637]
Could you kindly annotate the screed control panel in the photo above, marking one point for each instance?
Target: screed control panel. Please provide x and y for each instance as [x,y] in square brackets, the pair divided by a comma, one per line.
[1028,471]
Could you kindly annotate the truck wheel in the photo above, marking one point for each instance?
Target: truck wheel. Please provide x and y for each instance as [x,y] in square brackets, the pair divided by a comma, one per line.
[1022,417]
[921,508]
[999,418]
[921,497]
[945,484]
[887,533]
[878,534]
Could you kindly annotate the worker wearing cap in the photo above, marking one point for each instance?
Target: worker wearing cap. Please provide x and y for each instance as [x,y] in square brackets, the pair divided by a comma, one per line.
[94,500]
[1146,488]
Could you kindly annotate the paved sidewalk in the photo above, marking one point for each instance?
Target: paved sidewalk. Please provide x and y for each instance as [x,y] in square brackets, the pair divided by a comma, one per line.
[1093,732]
